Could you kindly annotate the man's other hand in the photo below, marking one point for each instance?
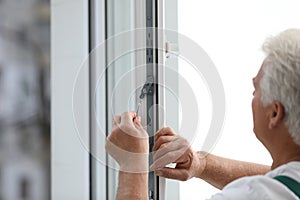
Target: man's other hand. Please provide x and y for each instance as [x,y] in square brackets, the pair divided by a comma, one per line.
[171,148]
[128,143]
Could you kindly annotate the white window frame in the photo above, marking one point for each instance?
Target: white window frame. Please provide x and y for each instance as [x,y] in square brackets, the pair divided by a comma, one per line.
[98,171]
[74,172]
[69,48]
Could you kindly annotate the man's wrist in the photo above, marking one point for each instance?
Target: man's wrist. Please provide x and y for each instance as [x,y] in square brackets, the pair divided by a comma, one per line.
[135,163]
[133,186]
[200,163]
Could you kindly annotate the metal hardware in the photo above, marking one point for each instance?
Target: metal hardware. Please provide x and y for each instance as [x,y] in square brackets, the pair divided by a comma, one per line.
[148,87]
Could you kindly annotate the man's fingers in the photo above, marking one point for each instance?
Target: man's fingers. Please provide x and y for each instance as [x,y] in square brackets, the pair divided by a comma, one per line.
[173,173]
[126,124]
[116,121]
[166,159]
[164,131]
[127,117]
[137,121]
[169,147]
[162,140]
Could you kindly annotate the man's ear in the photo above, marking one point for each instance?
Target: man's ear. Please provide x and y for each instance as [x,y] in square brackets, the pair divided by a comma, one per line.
[276,114]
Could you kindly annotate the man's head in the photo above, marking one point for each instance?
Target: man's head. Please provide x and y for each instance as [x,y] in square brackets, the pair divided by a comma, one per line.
[279,80]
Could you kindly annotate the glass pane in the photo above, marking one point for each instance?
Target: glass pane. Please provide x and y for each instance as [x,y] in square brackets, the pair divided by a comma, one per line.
[24,99]
[120,73]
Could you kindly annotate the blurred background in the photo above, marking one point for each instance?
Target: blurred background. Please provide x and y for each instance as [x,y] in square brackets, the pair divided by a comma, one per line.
[24,100]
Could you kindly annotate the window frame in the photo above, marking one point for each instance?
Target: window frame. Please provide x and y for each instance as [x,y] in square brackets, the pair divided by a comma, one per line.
[75,172]
[69,158]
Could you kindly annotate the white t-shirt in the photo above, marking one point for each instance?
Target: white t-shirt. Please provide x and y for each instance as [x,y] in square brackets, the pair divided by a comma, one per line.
[262,187]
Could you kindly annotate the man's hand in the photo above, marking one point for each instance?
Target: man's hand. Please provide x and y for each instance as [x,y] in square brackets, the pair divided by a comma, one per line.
[128,143]
[171,148]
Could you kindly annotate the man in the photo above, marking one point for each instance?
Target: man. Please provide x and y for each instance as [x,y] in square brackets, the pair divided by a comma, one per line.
[276,117]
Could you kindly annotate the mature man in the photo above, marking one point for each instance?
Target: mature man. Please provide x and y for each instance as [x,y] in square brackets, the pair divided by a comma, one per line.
[276,117]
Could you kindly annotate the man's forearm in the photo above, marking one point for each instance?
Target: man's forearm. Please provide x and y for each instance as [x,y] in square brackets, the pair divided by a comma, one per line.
[132,186]
[219,171]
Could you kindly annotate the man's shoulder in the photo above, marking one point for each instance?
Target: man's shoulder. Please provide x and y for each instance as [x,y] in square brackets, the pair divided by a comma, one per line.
[254,187]
[261,186]
[252,183]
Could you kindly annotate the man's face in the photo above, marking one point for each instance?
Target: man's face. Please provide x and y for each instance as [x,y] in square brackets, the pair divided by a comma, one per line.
[260,120]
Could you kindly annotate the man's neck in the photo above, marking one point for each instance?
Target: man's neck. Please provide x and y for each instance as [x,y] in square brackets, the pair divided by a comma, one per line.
[283,152]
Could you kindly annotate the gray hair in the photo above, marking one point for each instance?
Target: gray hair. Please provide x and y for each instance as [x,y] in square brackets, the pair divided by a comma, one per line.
[281,79]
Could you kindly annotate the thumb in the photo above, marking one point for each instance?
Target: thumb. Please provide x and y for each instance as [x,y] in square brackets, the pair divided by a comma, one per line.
[173,173]
[137,120]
